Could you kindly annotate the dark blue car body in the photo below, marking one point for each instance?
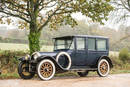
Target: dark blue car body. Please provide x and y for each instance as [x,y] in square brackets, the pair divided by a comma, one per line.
[81,59]
[86,57]
[80,53]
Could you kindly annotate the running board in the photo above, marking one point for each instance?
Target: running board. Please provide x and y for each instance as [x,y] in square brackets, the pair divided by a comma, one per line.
[83,69]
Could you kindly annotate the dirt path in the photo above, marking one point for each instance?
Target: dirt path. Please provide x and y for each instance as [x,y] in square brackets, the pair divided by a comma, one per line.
[117,80]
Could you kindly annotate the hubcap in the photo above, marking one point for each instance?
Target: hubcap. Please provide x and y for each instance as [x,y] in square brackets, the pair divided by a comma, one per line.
[46,69]
[103,67]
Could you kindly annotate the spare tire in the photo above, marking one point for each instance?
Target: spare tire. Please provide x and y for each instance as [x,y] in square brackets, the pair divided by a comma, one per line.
[64,60]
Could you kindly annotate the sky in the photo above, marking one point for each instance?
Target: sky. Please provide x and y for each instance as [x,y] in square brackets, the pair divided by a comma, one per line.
[109,23]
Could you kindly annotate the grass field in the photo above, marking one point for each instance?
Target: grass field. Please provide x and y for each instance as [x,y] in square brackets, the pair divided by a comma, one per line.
[21,47]
[24,47]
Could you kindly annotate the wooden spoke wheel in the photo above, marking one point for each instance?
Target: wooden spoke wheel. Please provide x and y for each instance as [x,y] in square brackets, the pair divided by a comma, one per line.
[23,71]
[103,68]
[46,69]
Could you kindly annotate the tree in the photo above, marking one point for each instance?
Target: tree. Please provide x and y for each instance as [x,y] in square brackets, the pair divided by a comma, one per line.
[126,4]
[122,10]
[121,14]
[36,14]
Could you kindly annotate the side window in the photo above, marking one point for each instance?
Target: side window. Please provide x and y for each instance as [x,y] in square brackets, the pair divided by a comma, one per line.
[80,43]
[101,45]
[91,44]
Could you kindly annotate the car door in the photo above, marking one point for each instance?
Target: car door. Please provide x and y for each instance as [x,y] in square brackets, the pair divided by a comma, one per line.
[92,52]
[102,47]
[80,53]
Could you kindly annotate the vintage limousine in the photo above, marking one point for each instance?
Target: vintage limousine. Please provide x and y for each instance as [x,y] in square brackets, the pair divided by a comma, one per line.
[80,53]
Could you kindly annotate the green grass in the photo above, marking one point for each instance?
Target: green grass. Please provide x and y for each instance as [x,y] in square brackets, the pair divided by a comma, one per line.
[9,76]
[24,47]
[118,71]
[66,74]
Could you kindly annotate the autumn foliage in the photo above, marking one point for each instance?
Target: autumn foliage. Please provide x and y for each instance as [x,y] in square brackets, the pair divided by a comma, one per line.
[36,14]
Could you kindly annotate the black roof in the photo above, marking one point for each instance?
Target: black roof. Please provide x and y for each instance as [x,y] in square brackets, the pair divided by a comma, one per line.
[81,36]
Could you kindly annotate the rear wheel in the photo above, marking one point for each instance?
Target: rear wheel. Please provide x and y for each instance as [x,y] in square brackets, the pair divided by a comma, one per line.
[46,69]
[23,71]
[103,68]
[82,74]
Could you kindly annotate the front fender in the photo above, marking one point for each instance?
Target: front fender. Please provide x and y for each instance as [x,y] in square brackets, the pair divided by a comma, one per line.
[22,59]
[58,66]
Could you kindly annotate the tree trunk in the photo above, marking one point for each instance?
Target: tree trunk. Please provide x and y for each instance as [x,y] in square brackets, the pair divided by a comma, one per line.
[34,43]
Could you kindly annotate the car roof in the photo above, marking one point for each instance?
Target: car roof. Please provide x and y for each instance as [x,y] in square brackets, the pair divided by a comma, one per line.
[89,36]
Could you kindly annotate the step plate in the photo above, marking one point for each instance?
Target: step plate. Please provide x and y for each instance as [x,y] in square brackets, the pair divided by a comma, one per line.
[84,69]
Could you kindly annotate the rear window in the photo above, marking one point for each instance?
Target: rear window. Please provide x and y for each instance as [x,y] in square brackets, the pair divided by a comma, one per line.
[101,45]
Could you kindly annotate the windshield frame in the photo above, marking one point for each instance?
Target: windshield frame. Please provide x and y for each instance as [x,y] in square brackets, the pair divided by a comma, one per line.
[65,43]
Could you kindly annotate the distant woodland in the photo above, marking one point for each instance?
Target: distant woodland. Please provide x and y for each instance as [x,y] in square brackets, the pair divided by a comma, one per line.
[119,38]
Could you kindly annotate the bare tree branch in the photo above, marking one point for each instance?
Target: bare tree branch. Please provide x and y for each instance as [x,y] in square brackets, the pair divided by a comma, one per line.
[14,15]
[50,16]
[123,3]
[48,19]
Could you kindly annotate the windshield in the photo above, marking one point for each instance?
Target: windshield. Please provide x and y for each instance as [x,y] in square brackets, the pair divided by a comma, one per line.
[61,44]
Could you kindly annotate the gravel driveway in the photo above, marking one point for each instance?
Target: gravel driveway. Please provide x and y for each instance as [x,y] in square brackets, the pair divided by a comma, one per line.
[117,80]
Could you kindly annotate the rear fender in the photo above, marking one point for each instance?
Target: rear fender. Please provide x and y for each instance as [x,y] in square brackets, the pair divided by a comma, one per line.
[108,59]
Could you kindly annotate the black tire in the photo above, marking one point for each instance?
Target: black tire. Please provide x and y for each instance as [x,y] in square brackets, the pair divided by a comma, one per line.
[103,68]
[82,74]
[21,70]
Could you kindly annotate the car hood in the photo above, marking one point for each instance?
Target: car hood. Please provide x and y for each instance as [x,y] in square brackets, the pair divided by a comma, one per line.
[48,53]
[54,53]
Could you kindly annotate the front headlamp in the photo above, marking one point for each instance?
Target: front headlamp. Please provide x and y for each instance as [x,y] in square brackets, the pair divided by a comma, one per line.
[27,57]
[36,55]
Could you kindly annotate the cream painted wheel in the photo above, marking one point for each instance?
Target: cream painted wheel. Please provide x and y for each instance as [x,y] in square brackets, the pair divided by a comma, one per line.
[46,69]
[68,56]
[103,68]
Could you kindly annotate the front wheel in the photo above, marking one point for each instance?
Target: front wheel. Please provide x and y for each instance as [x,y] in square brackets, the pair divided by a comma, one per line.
[46,69]
[103,68]
[23,71]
